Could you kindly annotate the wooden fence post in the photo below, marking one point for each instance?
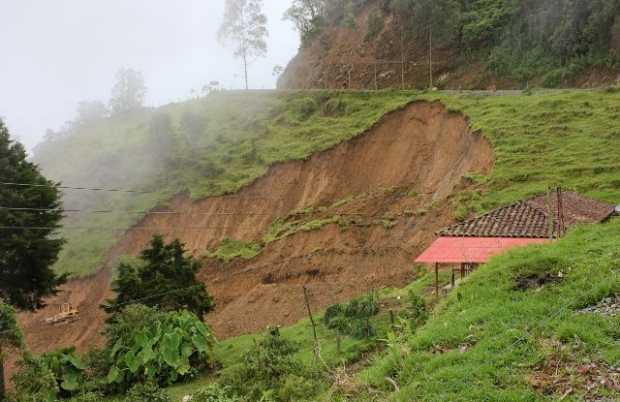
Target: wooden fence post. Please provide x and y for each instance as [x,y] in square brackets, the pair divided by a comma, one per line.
[316,341]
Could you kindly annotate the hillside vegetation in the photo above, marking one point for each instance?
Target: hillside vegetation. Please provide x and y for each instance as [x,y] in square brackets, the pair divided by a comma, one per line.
[492,338]
[205,147]
[475,43]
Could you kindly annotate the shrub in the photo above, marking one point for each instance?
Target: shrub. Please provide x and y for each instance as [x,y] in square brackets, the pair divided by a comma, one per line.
[334,107]
[416,309]
[304,107]
[149,392]
[55,374]
[34,381]
[146,345]
[297,388]
[265,367]
[352,318]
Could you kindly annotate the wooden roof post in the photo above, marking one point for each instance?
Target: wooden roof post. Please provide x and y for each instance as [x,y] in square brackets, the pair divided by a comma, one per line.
[437,280]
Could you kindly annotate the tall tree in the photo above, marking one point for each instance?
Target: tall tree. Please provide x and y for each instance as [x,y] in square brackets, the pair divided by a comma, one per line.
[29,243]
[166,279]
[128,92]
[246,26]
[308,17]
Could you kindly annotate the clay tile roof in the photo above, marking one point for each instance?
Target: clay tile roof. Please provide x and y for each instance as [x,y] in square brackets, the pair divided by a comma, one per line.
[531,218]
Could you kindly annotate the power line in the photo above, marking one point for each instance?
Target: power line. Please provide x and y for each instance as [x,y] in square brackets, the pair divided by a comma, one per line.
[216,213]
[114,190]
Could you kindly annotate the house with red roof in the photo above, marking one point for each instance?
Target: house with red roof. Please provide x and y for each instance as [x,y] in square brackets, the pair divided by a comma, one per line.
[536,220]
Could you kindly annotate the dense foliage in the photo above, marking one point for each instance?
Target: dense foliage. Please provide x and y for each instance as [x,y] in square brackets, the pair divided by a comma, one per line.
[58,374]
[29,244]
[146,345]
[353,318]
[266,369]
[145,349]
[245,24]
[489,338]
[165,278]
[521,38]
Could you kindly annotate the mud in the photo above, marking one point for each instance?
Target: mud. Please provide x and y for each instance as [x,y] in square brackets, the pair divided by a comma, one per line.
[402,170]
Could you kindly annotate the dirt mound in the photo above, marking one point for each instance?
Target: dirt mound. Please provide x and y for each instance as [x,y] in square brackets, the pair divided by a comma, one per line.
[389,187]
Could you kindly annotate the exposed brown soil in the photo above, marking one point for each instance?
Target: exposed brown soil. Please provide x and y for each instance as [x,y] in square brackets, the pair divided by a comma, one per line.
[422,149]
[345,58]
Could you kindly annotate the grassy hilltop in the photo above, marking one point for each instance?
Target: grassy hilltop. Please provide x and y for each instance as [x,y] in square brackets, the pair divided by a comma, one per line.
[218,144]
[489,339]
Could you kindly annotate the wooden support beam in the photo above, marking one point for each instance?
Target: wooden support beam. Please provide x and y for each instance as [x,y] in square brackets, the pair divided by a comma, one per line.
[437,280]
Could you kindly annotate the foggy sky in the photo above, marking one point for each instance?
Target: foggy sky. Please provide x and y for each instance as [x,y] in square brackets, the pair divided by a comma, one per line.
[56,53]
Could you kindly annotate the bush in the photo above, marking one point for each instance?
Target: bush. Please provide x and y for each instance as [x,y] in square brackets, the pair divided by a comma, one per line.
[34,381]
[149,392]
[334,107]
[304,107]
[353,318]
[55,374]
[265,367]
[296,388]
[147,345]
[416,309]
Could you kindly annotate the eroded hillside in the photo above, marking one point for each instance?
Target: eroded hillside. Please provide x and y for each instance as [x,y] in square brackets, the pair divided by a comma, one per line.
[473,45]
[357,215]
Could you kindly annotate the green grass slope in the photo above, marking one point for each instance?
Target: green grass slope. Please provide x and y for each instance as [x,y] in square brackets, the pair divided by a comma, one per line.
[203,147]
[218,144]
[488,337]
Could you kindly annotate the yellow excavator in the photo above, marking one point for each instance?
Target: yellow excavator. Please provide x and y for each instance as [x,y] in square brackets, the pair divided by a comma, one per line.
[67,314]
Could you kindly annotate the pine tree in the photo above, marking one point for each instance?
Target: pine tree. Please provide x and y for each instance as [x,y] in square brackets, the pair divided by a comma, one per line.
[165,278]
[29,243]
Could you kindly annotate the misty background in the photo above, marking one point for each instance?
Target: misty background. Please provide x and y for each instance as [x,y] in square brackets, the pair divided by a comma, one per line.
[58,53]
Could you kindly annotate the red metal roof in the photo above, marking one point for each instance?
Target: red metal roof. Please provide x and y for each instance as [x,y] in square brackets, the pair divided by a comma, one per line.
[457,250]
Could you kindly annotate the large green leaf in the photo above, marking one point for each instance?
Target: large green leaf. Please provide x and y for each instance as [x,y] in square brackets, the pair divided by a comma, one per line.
[75,361]
[146,355]
[113,375]
[133,362]
[71,381]
[201,343]
[170,349]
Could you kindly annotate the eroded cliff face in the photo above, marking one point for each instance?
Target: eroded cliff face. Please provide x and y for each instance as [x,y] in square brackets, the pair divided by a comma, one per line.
[348,57]
[367,207]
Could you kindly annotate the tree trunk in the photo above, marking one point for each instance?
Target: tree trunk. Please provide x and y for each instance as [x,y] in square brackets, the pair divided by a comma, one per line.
[245,68]
[430,56]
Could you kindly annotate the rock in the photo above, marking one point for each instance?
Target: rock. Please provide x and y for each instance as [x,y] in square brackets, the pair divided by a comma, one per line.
[608,307]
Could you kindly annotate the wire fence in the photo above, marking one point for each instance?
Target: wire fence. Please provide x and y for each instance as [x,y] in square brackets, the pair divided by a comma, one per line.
[380,74]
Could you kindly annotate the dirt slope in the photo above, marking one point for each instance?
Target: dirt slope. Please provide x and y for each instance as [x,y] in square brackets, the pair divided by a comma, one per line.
[397,177]
[345,57]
